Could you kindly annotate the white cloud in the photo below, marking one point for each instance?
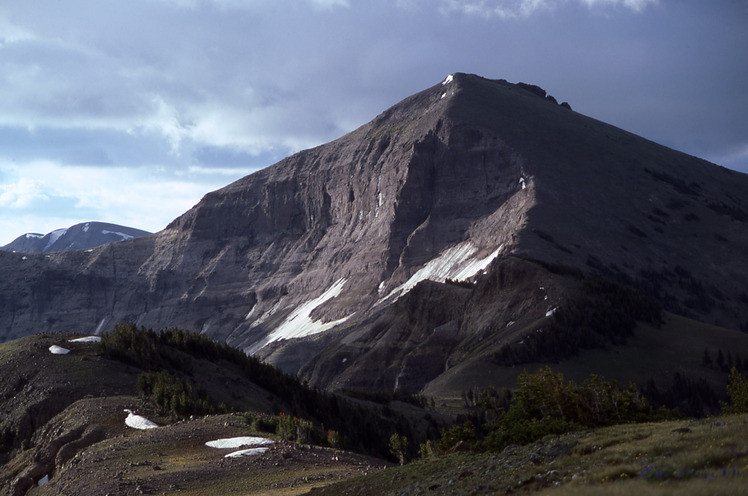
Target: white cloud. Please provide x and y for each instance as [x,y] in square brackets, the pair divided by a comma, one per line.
[512,9]
[142,197]
[329,4]
[21,194]
[253,4]
[165,120]
[635,5]
[10,33]
[165,99]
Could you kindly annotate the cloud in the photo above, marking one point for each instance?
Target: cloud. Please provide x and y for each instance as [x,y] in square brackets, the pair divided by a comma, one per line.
[21,194]
[155,95]
[254,4]
[513,9]
[635,5]
[734,157]
[147,197]
[328,4]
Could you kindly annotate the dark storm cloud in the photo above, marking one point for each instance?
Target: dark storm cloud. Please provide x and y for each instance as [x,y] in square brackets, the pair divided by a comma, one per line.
[196,93]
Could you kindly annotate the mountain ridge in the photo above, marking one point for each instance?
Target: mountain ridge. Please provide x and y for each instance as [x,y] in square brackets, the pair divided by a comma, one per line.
[77,237]
[457,180]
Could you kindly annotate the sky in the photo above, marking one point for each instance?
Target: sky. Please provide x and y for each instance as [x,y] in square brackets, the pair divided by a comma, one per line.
[129,112]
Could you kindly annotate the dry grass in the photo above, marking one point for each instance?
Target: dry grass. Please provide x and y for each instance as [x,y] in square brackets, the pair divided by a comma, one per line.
[684,457]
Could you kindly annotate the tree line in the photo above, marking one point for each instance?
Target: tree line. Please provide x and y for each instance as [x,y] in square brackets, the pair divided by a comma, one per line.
[166,359]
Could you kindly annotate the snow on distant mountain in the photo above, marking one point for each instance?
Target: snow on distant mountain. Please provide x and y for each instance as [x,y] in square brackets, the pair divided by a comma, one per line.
[79,236]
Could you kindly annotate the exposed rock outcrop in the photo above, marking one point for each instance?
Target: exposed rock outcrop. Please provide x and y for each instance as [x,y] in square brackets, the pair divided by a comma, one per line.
[333,239]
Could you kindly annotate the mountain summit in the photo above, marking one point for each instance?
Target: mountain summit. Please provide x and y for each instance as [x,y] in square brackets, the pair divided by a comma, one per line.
[77,237]
[349,252]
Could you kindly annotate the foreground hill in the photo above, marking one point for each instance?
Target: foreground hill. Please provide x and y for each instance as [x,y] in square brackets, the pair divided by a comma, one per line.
[65,427]
[66,430]
[77,237]
[339,263]
[687,457]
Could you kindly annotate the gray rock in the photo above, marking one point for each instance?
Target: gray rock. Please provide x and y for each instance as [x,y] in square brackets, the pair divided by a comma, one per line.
[323,243]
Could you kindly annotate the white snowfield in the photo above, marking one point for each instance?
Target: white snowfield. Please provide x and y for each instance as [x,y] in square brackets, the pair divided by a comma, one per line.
[54,236]
[58,350]
[456,263]
[246,452]
[299,323]
[238,442]
[138,422]
[120,234]
[87,339]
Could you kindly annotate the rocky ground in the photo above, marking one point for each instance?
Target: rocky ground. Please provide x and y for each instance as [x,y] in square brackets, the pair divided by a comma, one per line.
[175,460]
[63,431]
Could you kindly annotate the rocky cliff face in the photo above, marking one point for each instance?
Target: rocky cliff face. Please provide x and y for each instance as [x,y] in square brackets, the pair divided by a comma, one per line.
[329,245]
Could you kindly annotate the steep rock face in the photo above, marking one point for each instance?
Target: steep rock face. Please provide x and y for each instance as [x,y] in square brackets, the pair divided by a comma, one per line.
[429,330]
[330,244]
[367,209]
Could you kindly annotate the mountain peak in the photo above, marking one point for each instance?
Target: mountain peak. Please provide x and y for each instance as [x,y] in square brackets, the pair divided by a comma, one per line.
[340,251]
[79,236]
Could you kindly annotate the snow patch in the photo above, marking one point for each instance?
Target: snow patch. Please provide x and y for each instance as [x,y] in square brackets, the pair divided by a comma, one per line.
[238,442]
[265,315]
[54,236]
[34,236]
[299,323]
[476,266]
[455,263]
[100,326]
[522,182]
[138,422]
[551,312]
[58,350]
[120,234]
[43,480]
[246,452]
[86,227]
[448,80]
[87,339]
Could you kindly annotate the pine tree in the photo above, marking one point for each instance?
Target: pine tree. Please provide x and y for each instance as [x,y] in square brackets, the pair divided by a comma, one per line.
[399,447]
[737,391]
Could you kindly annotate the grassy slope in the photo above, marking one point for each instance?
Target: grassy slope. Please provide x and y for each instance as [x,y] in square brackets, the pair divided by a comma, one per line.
[657,353]
[175,458]
[73,406]
[708,456]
